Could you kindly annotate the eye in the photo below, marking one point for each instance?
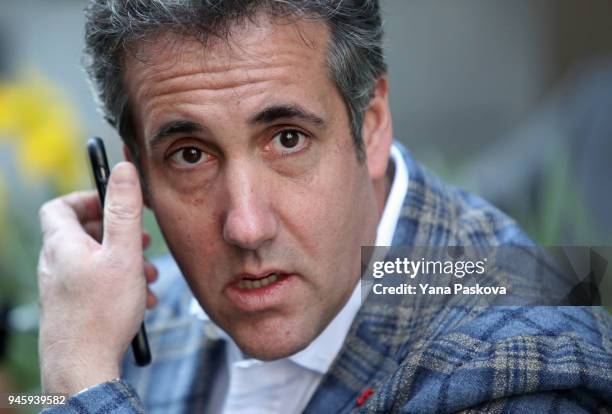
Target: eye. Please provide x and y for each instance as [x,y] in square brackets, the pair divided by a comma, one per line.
[289,141]
[188,156]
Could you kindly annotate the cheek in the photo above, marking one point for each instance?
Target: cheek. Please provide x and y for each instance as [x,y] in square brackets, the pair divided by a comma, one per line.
[188,227]
[326,215]
[180,214]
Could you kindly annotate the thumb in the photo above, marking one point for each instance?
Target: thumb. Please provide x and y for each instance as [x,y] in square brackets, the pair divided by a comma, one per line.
[123,211]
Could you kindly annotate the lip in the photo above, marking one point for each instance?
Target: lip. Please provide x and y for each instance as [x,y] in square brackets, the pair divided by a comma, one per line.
[262,298]
[257,276]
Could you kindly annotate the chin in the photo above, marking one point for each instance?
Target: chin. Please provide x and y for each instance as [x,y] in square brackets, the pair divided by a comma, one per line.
[270,342]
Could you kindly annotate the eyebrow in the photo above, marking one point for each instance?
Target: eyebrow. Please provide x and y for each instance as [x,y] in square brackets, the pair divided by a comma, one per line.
[277,112]
[265,116]
[175,127]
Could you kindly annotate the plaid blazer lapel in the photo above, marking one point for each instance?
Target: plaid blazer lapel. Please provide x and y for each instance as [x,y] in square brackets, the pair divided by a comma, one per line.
[383,334]
[380,331]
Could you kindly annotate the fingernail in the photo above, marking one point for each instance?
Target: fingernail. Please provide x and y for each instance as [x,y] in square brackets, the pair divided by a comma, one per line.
[124,173]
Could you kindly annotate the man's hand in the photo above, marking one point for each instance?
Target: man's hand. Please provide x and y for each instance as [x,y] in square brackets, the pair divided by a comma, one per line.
[92,294]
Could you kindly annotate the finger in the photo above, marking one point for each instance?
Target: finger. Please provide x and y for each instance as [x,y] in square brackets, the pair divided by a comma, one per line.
[150,272]
[86,205]
[64,215]
[123,211]
[94,229]
[151,299]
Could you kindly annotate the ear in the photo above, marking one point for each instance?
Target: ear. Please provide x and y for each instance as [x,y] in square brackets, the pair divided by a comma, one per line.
[128,157]
[377,130]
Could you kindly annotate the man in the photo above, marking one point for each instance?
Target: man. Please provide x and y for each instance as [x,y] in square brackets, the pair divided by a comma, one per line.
[262,135]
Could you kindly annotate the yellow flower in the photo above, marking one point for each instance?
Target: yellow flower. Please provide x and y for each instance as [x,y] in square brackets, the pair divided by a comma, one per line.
[7,115]
[42,126]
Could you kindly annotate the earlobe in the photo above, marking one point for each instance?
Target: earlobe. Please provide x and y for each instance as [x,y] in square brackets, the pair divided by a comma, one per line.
[377,130]
[128,157]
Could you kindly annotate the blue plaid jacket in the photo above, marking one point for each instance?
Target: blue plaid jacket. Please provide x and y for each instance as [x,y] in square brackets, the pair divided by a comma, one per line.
[398,358]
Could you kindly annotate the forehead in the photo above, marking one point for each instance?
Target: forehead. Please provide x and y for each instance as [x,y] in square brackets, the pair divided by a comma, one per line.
[256,49]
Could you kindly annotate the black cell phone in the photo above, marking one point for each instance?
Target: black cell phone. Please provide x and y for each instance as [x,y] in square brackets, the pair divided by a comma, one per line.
[101,174]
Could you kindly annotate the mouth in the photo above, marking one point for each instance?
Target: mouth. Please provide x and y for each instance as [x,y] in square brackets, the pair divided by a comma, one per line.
[250,284]
[250,292]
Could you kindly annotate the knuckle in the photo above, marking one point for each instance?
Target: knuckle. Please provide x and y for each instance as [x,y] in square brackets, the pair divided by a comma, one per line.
[48,215]
[122,211]
[46,210]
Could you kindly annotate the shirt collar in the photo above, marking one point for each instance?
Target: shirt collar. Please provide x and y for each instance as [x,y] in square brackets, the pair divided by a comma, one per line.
[319,355]
[395,200]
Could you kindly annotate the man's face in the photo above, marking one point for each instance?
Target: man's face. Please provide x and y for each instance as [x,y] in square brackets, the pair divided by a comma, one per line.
[254,179]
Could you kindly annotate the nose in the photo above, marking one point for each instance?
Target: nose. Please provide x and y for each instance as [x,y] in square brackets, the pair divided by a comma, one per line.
[249,221]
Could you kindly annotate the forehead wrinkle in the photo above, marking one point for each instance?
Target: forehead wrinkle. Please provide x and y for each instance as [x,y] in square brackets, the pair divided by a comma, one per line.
[188,91]
[171,73]
[189,105]
[235,78]
[157,80]
[247,46]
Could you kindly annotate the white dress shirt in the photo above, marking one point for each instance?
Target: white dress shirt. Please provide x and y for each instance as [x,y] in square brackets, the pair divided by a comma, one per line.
[286,385]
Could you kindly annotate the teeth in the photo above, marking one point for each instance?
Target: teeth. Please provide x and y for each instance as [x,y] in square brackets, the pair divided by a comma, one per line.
[255,284]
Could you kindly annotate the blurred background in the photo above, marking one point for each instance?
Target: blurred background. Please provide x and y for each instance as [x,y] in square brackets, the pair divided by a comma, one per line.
[511,100]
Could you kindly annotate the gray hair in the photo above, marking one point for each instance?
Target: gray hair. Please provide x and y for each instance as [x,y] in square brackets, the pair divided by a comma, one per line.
[355,58]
